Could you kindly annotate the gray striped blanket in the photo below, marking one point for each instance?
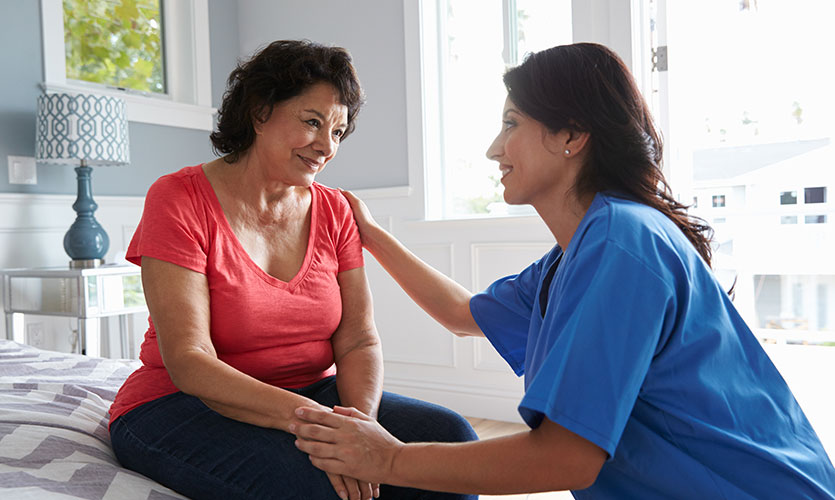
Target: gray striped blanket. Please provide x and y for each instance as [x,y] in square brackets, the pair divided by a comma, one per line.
[54,442]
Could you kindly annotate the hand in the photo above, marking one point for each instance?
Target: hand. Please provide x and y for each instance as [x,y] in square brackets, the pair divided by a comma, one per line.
[365,221]
[349,488]
[347,442]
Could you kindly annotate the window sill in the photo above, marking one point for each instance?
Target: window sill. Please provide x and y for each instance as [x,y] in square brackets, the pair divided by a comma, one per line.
[153,110]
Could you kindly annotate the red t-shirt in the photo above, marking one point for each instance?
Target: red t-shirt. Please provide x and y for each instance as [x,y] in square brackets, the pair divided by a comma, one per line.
[278,332]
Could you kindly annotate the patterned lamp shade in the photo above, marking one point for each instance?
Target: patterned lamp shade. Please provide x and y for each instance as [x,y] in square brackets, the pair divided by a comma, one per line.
[72,128]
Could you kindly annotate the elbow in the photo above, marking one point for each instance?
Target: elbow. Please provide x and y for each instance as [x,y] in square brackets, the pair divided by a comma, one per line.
[587,479]
[463,324]
[586,474]
[183,369]
[461,332]
[182,381]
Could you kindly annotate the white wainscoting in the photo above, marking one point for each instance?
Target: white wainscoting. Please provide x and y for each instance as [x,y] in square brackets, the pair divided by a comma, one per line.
[32,228]
[422,359]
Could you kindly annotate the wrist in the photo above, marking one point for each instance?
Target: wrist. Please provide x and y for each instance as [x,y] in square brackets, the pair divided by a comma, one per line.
[374,237]
[398,464]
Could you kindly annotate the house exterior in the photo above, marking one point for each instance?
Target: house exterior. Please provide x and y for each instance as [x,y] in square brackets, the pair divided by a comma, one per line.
[771,207]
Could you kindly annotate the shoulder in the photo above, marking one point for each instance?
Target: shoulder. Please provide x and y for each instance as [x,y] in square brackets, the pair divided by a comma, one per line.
[181,195]
[183,182]
[631,224]
[647,235]
[331,199]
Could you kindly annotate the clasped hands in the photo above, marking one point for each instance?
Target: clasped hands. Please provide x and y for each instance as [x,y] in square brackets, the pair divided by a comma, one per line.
[347,442]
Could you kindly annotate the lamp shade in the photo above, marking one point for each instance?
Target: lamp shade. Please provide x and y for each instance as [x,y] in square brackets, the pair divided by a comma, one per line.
[71,128]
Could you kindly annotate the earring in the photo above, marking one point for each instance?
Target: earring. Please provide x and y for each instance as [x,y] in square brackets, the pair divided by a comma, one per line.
[567,152]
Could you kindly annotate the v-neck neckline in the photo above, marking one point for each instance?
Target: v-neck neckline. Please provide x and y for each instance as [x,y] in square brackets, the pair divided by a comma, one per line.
[223,221]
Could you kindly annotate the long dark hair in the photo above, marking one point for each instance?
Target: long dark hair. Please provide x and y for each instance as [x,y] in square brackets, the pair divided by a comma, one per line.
[280,71]
[587,88]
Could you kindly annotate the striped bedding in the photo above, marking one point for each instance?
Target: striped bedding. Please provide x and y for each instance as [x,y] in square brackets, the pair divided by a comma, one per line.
[54,442]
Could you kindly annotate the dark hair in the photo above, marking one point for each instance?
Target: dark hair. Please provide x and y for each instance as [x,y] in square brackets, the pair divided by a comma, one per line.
[282,70]
[587,88]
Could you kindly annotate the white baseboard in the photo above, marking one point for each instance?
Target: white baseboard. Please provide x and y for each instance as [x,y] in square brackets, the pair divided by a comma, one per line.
[469,401]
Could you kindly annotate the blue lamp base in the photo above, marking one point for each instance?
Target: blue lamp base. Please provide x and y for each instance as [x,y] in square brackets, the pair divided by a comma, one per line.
[86,242]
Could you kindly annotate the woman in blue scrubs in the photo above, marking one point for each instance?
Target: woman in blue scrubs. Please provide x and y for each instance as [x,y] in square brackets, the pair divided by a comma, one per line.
[641,379]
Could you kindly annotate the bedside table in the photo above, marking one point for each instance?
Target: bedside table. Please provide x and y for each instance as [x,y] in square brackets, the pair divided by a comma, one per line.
[86,294]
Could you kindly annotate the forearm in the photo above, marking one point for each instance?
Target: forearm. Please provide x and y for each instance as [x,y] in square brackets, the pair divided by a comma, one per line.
[505,465]
[437,294]
[359,378]
[233,393]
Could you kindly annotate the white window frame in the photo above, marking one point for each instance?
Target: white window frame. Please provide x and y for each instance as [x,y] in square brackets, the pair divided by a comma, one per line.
[592,20]
[188,102]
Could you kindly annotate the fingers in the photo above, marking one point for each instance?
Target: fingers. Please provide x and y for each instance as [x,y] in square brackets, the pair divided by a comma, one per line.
[358,489]
[351,197]
[317,448]
[318,416]
[341,410]
[350,412]
[313,432]
[366,490]
[338,485]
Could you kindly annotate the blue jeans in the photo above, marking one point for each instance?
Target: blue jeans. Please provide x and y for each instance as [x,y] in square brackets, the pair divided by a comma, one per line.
[181,443]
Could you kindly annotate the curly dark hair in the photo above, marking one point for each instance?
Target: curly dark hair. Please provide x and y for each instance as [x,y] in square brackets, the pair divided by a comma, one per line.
[282,70]
[587,88]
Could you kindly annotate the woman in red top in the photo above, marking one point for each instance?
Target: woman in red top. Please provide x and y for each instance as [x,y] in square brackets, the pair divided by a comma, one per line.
[253,274]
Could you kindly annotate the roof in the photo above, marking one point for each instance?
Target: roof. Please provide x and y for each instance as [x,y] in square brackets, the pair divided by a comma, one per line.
[729,162]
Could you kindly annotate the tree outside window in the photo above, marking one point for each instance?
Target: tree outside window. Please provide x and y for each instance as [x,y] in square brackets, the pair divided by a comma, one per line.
[117,43]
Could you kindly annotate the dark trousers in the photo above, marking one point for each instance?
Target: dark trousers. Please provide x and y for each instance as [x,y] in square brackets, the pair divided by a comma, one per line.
[181,443]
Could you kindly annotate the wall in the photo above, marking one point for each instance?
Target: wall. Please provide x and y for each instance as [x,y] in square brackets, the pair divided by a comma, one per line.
[155,150]
[33,219]
[374,156]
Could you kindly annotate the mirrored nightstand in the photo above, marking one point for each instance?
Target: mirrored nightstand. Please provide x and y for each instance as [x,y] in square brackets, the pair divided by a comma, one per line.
[86,294]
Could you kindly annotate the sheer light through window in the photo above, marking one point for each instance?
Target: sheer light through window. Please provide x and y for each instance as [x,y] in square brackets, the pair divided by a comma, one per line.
[471,94]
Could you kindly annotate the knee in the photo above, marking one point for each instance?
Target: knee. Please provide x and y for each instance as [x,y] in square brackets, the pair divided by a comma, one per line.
[448,426]
[463,430]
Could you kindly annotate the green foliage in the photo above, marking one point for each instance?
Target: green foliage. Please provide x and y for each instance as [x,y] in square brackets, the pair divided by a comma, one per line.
[480,204]
[115,42]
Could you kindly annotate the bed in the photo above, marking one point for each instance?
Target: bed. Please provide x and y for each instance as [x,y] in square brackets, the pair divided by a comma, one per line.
[54,442]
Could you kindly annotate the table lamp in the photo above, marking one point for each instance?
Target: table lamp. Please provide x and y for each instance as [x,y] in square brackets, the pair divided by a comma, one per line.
[83,130]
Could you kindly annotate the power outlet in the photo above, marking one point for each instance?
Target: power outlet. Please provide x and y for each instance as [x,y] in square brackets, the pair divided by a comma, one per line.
[35,334]
[22,170]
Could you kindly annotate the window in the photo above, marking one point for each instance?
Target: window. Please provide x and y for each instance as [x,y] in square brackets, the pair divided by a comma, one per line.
[814,195]
[788,198]
[752,131]
[794,307]
[185,97]
[463,64]
[117,43]
[718,200]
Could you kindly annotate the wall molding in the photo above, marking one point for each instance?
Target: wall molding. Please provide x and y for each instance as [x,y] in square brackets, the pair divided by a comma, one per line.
[63,199]
[383,192]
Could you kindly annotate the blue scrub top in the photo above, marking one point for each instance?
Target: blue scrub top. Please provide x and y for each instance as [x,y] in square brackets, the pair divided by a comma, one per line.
[640,351]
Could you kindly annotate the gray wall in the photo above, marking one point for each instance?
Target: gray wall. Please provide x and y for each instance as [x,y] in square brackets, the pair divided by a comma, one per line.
[372,30]
[374,156]
[155,150]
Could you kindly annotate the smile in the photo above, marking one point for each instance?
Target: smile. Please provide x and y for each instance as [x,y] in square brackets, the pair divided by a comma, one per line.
[314,165]
[505,169]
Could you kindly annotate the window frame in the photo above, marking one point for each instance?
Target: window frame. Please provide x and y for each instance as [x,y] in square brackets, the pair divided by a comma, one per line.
[188,101]
[592,20]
